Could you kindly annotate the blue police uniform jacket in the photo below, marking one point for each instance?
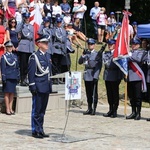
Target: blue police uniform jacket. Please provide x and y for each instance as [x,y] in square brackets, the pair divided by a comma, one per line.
[26,43]
[111,70]
[137,57]
[92,67]
[39,71]
[59,41]
[146,60]
[9,67]
[47,31]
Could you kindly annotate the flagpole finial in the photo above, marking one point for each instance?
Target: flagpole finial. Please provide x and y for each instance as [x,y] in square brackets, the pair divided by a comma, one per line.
[126,12]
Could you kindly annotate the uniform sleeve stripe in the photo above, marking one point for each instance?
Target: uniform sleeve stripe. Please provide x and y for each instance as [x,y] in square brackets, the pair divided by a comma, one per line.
[31,84]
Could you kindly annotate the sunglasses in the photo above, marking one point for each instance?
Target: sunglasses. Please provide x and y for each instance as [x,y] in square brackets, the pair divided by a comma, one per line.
[13,21]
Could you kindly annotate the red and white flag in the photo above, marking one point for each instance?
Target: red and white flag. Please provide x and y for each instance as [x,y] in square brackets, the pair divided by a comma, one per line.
[122,45]
[35,17]
[122,49]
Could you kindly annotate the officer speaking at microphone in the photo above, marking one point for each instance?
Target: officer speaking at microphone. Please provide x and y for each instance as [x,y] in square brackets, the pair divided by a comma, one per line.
[39,71]
[91,75]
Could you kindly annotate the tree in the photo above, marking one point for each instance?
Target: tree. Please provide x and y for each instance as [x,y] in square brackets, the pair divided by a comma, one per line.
[139,10]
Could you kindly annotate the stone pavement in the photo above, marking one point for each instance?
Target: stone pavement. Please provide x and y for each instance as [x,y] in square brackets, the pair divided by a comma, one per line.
[82,132]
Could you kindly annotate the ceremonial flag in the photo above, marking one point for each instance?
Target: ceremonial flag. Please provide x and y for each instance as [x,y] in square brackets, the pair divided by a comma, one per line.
[122,45]
[122,49]
[35,17]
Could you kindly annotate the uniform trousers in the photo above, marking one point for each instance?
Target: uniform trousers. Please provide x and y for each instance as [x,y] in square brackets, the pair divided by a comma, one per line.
[89,87]
[112,89]
[134,93]
[148,91]
[23,60]
[39,104]
[56,60]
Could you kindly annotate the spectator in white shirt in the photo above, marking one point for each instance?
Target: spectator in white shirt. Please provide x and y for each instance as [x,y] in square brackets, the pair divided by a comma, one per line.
[79,13]
[56,9]
[93,13]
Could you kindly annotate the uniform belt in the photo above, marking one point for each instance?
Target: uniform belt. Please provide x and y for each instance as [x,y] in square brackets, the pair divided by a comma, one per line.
[90,68]
[111,68]
[61,42]
[26,39]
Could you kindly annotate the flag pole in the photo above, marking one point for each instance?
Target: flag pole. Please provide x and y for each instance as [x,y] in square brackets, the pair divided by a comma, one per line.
[127,7]
[125,98]
[126,93]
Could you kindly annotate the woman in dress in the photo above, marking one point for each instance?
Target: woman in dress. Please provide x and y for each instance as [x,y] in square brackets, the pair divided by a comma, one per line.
[2,33]
[12,34]
[10,76]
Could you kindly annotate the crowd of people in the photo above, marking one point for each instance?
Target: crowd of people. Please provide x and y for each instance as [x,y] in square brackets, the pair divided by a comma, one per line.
[62,27]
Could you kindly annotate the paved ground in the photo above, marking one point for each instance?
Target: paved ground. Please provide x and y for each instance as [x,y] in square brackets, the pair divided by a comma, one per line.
[82,132]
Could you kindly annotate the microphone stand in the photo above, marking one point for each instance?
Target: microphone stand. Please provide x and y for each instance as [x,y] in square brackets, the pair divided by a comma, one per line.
[77,57]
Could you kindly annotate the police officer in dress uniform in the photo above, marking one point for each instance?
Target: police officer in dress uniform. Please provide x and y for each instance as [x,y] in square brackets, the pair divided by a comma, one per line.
[26,45]
[59,45]
[46,30]
[112,76]
[146,60]
[39,71]
[134,81]
[91,75]
[10,76]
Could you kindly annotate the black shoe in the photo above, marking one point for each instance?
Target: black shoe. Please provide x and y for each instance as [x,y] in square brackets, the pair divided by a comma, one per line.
[137,117]
[88,112]
[148,119]
[8,113]
[37,135]
[93,112]
[114,115]
[108,114]
[44,135]
[131,116]
[12,113]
